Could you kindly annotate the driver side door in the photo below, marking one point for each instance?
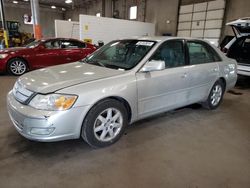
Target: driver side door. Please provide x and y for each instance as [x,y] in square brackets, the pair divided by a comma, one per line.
[159,91]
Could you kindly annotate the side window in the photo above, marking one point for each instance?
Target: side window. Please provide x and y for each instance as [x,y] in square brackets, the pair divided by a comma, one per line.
[72,44]
[200,53]
[81,44]
[52,44]
[172,53]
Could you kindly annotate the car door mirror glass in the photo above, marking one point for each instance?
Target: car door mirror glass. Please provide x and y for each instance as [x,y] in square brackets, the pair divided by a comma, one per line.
[153,65]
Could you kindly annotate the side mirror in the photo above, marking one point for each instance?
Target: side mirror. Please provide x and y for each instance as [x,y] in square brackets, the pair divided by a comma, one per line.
[153,65]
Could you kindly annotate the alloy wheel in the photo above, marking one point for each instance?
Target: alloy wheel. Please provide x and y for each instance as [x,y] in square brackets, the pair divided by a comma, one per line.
[216,95]
[108,124]
[18,67]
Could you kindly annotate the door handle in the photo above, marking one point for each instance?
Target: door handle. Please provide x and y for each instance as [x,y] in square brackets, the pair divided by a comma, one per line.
[184,75]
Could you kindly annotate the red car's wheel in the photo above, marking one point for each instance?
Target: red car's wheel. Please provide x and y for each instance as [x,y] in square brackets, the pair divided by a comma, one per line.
[17,66]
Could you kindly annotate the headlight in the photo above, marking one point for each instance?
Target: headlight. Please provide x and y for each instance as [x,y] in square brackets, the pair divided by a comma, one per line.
[53,102]
[2,56]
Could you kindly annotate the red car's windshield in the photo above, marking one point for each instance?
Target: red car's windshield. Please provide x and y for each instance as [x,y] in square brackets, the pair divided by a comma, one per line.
[33,44]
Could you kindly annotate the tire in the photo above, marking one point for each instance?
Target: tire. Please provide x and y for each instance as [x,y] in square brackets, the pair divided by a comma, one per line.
[215,96]
[17,66]
[105,123]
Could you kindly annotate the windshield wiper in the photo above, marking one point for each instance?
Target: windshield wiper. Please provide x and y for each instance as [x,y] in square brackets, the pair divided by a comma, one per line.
[85,60]
[99,63]
[115,67]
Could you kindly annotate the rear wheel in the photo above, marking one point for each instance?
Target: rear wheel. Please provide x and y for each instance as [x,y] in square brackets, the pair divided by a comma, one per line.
[17,66]
[105,123]
[215,96]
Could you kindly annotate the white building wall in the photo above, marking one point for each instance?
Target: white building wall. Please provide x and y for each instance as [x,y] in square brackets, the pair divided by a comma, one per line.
[107,29]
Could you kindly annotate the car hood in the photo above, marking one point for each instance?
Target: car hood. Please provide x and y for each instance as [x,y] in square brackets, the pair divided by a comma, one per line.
[13,50]
[58,77]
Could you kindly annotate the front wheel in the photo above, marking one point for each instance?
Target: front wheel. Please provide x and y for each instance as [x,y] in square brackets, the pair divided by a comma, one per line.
[17,66]
[104,123]
[215,96]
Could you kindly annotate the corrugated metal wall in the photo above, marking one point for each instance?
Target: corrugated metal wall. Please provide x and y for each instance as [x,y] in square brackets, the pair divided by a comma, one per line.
[202,20]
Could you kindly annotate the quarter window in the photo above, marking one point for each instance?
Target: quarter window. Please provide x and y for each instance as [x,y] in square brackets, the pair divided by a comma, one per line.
[200,53]
[172,53]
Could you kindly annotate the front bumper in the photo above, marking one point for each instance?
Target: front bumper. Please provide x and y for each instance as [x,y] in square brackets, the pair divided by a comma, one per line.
[45,126]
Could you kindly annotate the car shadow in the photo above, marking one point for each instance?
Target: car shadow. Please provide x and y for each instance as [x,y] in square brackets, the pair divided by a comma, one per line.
[243,82]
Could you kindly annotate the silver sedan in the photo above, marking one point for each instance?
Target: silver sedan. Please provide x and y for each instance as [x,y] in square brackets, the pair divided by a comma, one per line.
[122,82]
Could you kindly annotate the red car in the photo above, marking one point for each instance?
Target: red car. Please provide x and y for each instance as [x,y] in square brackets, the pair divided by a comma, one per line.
[43,53]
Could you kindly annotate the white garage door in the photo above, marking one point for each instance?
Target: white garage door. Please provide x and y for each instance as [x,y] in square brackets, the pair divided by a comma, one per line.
[202,20]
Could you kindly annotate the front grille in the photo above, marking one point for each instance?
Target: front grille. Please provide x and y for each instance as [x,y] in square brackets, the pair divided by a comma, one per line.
[21,93]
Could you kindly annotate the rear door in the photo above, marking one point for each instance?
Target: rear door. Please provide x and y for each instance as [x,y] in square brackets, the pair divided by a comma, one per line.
[203,69]
[73,50]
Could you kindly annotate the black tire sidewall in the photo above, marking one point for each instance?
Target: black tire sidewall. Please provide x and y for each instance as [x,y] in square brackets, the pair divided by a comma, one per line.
[87,132]
[209,104]
[13,60]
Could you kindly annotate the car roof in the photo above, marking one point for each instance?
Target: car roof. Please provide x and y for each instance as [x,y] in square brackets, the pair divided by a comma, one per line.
[161,38]
[59,38]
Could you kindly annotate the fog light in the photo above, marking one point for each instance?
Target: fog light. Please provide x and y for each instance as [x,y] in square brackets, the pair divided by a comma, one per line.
[42,131]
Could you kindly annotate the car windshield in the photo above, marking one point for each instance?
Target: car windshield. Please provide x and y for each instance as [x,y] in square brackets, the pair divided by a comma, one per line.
[122,54]
[33,44]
